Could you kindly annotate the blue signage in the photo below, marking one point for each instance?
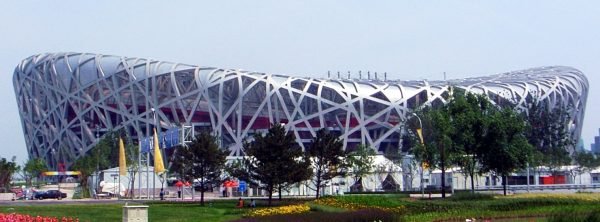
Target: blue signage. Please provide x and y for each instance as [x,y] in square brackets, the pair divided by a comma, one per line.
[242,186]
[146,144]
[168,139]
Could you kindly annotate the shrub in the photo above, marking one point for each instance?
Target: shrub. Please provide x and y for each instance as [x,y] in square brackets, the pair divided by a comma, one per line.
[461,196]
[359,215]
[579,217]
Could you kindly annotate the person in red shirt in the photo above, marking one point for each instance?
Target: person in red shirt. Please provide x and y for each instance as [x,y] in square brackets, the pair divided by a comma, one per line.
[240,203]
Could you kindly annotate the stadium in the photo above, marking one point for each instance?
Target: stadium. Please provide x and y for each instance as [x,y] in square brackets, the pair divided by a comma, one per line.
[68,100]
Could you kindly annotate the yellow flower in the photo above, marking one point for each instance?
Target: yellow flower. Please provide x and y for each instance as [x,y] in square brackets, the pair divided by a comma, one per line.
[290,209]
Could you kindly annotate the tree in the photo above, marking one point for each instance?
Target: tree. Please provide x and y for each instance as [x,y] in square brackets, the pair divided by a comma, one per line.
[437,132]
[33,168]
[7,169]
[102,156]
[202,160]
[132,155]
[361,162]
[297,172]
[507,147]
[86,165]
[274,159]
[327,158]
[549,134]
[407,164]
[469,115]
[587,162]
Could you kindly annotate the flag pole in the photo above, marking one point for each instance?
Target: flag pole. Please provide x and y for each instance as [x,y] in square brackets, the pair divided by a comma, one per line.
[139,169]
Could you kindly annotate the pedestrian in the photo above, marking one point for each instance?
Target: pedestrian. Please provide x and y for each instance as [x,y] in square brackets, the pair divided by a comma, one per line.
[162,194]
[240,203]
[252,203]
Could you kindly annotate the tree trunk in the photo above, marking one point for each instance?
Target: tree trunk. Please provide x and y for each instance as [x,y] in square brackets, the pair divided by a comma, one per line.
[270,190]
[202,196]
[318,183]
[473,174]
[84,185]
[504,178]
[132,187]
[201,191]
[472,182]
[443,168]
[280,187]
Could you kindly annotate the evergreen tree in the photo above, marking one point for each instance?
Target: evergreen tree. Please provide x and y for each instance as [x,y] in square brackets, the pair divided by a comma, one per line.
[327,158]
[274,160]
[202,160]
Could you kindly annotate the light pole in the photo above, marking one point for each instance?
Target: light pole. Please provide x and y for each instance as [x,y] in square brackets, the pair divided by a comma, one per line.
[420,134]
[154,173]
[97,159]
[53,152]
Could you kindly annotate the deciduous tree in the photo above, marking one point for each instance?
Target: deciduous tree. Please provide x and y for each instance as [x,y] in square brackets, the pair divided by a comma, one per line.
[586,161]
[33,168]
[437,132]
[361,162]
[507,147]
[549,134]
[7,169]
[469,114]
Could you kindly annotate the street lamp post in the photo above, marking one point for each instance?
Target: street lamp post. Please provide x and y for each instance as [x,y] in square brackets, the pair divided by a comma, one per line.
[419,131]
[154,173]
[97,159]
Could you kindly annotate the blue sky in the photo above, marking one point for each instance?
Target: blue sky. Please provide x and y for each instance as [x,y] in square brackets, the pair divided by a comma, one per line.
[407,39]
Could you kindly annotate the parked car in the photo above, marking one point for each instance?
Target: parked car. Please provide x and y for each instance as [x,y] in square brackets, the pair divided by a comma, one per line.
[50,194]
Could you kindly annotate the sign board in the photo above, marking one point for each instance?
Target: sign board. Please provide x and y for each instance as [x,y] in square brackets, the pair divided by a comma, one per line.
[168,139]
[146,143]
[243,186]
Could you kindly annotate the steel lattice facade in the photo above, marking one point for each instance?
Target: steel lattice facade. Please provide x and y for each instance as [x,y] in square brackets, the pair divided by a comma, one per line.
[66,100]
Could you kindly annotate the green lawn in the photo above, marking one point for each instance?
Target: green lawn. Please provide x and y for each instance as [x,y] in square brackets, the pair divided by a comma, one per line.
[218,211]
[403,209]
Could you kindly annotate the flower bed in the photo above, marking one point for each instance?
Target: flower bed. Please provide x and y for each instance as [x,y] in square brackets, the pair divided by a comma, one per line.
[290,209]
[14,217]
[335,202]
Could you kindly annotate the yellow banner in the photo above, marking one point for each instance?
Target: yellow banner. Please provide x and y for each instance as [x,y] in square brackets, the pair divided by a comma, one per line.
[420,133]
[122,160]
[159,167]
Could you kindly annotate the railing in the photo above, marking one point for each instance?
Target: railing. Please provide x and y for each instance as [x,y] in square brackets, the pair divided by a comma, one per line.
[542,187]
